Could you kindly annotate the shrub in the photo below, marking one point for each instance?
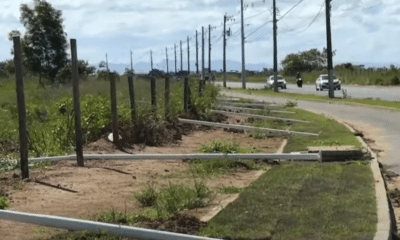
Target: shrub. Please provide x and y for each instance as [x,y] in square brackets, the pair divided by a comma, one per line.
[378,81]
[147,197]
[4,202]
[395,81]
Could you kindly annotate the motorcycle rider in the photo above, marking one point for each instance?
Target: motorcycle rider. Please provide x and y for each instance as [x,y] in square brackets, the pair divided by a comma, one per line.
[299,80]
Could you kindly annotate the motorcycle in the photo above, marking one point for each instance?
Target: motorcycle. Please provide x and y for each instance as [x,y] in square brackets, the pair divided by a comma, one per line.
[299,82]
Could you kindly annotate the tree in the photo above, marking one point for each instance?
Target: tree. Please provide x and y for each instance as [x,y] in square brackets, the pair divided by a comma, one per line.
[304,61]
[84,69]
[44,44]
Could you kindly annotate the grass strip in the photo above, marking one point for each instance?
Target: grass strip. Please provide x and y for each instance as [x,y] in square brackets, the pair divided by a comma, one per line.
[302,201]
[312,97]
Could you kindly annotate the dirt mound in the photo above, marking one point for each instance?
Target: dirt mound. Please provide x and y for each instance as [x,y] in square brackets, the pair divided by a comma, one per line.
[179,223]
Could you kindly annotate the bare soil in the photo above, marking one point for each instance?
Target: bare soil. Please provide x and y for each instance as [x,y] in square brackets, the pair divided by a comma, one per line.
[65,189]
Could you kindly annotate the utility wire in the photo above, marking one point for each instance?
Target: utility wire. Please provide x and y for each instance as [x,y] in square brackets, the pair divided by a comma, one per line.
[290,9]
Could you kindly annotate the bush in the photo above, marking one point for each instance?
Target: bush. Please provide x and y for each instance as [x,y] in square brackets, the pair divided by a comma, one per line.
[378,81]
[4,202]
[147,197]
[395,81]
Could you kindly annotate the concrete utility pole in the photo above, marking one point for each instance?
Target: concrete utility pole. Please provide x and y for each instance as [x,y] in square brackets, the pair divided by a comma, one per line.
[224,57]
[175,58]
[243,64]
[209,48]
[166,53]
[77,106]
[329,47]
[202,53]
[275,52]
[19,81]
[151,59]
[181,58]
[197,55]
[188,49]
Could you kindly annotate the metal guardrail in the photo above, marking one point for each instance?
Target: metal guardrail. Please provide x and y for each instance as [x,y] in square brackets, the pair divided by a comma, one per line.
[259,106]
[81,225]
[246,128]
[260,116]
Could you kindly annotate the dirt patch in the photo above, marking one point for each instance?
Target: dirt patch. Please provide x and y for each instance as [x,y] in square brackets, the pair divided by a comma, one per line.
[68,190]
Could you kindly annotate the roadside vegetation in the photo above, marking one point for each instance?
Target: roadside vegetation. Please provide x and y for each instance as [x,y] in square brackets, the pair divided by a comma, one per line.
[313,97]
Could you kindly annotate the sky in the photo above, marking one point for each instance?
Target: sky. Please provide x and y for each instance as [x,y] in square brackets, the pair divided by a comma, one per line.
[363,31]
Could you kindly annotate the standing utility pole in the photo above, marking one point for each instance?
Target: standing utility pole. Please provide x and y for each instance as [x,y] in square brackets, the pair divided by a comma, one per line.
[202,53]
[329,47]
[166,53]
[224,57]
[209,48]
[243,64]
[181,58]
[175,57]
[77,106]
[19,79]
[197,55]
[275,52]
[188,55]
[151,59]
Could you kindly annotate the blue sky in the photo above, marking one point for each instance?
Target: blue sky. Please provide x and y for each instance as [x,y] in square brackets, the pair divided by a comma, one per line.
[363,31]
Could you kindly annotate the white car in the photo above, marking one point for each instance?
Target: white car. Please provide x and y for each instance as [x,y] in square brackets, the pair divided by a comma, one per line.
[323,83]
[281,82]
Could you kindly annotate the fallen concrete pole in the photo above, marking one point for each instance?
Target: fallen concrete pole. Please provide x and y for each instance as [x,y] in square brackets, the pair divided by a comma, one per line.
[252,109]
[260,116]
[96,227]
[202,156]
[258,106]
[246,128]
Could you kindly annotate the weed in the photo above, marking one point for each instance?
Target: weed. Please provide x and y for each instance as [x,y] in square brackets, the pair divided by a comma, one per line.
[147,197]
[291,104]
[18,185]
[221,146]
[4,202]
[218,167]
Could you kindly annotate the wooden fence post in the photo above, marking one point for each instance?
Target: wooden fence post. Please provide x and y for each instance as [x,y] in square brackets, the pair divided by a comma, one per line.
[186,95]
[77,107]
[132,98]
[114,109]
[167,98]
[153,93]
[23,139]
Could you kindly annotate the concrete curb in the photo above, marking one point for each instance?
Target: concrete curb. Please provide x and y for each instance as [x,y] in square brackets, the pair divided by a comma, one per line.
[383,228]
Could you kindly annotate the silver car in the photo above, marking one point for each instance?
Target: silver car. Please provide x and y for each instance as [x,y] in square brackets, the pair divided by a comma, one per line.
[323,83]
[281,82]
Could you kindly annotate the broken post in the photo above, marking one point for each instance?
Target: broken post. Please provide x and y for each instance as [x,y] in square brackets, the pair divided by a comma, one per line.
[114,109]
[23,139]
[77,107]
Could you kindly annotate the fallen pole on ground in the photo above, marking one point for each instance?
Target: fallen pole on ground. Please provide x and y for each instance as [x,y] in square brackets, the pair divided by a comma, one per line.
[82,225]
[191,156]
[246,128]
[261,116]
[252,109]
[258,105]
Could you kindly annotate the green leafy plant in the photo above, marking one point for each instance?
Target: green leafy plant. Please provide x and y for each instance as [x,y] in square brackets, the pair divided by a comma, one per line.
[4,202]
[147,197]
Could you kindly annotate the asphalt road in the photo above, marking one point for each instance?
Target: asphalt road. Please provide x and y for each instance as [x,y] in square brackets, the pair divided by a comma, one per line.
[382,126]
[383,93]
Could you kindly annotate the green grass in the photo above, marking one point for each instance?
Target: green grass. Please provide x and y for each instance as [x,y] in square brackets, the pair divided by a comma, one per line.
[302,201]
[223,146]
[220,167]
[313,97]
[230,190]
[4,202]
